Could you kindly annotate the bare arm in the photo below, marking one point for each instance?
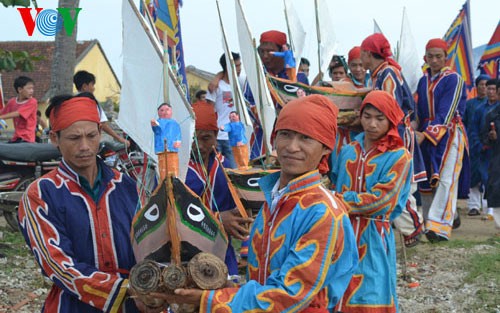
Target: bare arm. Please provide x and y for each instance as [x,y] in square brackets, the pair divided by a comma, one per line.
[112,133]
[10,115]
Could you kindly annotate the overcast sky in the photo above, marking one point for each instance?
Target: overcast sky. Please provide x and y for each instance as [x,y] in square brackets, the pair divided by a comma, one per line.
[352,22]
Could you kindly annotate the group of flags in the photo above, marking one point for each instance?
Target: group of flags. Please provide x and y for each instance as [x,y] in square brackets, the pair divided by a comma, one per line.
[459,51]
[165,14]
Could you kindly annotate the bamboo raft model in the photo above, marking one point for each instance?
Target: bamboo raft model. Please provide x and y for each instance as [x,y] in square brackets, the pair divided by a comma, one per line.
[343,94]
[178,243]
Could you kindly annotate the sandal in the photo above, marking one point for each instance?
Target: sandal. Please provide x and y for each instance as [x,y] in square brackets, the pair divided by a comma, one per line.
[411,242]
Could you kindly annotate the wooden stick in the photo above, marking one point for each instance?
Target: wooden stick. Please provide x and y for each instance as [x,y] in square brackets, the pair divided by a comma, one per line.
[234,193]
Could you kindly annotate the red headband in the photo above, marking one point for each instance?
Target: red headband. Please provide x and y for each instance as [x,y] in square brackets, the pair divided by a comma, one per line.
[437,43]
[74,110]
[377,43]
[206,118]
[385,103]
[354,53]
[314,116]
[274,36]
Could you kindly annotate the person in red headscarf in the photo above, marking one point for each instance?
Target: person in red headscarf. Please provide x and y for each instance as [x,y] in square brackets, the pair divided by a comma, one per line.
[301,234]
[372,177]
[357,72]
[442,138]
[206,178]
[270,42]
[376,56]
[80,215]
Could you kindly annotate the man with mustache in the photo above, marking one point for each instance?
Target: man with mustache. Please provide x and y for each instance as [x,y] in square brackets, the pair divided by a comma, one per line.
[302,251]
[76,219]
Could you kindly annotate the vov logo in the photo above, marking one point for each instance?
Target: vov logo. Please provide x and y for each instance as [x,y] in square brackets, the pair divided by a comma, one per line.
[48,21]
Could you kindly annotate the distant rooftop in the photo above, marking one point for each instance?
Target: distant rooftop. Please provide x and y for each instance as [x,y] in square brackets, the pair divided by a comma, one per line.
[42,69]
[201,73]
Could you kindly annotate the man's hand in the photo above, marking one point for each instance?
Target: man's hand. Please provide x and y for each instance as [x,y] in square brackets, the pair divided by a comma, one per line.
[492,135]
[140,305]
[420,137]
[146,309]
[235,225]
[187,296]
[125,142]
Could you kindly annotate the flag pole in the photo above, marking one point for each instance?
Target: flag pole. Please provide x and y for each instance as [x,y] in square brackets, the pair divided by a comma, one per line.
[318,36]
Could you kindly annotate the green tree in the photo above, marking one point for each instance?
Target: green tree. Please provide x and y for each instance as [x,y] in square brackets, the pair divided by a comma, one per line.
[17,3]
[64,59]
[17,60]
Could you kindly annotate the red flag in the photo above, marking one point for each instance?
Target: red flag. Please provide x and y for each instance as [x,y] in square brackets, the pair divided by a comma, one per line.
[458,38]
[489,63]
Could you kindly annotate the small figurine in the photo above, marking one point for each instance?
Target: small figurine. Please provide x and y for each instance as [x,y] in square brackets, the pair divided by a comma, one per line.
[290,64]
[167,133]
[301,93]
[237,140]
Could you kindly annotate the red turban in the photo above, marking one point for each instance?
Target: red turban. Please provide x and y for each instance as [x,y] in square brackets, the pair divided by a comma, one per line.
[377,43]
[275,36]
[385,103]
[314,116]
[205,116]
[437,43]
[74,110]
[354,53]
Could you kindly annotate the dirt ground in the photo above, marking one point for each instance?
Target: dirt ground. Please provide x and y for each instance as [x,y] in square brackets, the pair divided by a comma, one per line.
[439,270]
[435,285]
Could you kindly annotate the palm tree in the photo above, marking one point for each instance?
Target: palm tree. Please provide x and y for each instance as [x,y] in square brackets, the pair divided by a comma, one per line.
[64,59]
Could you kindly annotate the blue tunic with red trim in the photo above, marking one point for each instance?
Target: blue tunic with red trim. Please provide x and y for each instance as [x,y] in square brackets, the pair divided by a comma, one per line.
[215,195]
[301,255]
[472,125]
[440,105]
[388,78]
[83,246]
[375,185]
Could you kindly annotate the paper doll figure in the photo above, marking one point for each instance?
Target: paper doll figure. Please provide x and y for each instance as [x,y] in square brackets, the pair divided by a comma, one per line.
[237,140]
[167,133]
[301,93]
[290,64]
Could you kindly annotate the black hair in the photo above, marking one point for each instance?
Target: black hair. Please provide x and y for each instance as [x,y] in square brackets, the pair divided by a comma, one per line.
[22,81]
[305,61]
[481,78]
[492,81]
[164,103]
[55,102]
[377,56]
[83,77]
[338,61]
[87,94]
[200,93]
[222,60]
[370,106]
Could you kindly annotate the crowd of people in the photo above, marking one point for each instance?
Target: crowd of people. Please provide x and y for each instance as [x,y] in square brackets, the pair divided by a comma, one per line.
[312,247]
